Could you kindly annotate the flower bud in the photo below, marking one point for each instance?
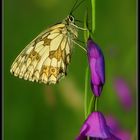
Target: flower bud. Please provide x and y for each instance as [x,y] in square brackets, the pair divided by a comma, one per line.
[97,67]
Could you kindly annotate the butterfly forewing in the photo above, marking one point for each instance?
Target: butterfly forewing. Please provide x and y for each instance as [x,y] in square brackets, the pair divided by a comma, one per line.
[46,58]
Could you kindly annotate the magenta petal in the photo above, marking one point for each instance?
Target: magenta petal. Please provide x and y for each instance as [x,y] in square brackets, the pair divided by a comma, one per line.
[97,67]
[95,127]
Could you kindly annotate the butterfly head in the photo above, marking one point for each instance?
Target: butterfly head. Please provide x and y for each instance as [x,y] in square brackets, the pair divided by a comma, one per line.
[69,19]
[70,25]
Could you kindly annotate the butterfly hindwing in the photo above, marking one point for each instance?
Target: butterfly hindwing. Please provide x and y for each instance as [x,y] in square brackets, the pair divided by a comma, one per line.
[46,58]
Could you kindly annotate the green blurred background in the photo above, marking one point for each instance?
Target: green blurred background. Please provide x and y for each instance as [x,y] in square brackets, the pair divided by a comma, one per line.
[40,112]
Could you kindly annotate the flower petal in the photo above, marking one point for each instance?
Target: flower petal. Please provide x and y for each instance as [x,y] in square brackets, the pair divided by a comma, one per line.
[95,127]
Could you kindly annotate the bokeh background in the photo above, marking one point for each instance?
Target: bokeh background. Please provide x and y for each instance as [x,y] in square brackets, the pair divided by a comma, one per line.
[41,112]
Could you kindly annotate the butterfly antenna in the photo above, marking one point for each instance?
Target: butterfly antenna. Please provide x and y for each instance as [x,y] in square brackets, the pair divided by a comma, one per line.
[73,9]
[87,19]
[87,24]
[78,20]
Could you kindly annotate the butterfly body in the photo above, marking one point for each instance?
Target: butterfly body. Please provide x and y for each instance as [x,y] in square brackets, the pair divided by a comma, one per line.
[45,59]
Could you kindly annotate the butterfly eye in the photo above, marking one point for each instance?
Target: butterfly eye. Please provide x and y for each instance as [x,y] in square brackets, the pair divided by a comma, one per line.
[71,18]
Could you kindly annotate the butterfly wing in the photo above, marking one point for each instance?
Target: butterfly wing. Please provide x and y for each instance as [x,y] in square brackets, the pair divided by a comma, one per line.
[46,58]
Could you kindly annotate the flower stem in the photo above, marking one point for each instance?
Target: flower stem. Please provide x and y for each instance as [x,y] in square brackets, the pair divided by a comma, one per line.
[95,104]
[86,33]
[90,107]
[86,90]
[86,36]
[93,15]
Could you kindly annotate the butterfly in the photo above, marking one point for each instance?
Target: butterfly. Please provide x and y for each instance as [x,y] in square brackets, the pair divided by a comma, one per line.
[45,58]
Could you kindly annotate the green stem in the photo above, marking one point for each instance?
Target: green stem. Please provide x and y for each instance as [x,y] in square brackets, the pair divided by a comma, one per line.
[86,33]
[86,90]
[86,36]
[93,15]
[96,104]
[90,107]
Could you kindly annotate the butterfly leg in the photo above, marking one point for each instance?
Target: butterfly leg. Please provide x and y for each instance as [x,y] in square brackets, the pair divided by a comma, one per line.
[80,41]
[80,28]
[79,46]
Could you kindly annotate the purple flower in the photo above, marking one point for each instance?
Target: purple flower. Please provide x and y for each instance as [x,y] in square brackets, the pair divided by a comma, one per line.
[97,67]
[95,127]
[123,92]
[117,130]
